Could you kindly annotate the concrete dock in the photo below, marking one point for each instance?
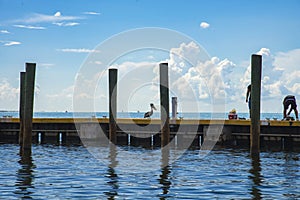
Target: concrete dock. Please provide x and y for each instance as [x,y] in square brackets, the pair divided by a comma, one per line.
[146,132]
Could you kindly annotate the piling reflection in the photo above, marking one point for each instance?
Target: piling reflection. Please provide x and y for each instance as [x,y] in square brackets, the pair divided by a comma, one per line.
[165,171]
[290,170]
[25,176]
[255,176]
[113,182]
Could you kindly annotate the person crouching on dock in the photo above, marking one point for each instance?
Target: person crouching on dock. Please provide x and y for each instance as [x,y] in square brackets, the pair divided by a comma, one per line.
[289,100]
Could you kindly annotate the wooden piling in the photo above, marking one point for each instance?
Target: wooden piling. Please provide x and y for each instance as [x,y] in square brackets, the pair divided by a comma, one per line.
[113,78]
[164,103]
[256,70]
[28,106]
[22,107]
[174,107]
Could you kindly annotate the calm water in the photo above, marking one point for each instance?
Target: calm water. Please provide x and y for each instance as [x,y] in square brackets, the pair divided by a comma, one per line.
[71,172]
[127,172]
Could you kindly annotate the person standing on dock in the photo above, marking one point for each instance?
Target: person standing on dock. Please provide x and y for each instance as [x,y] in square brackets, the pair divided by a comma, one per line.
[248,98]
[289,100]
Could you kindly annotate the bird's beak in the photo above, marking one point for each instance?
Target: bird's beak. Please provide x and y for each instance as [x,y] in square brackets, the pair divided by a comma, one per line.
[154,107]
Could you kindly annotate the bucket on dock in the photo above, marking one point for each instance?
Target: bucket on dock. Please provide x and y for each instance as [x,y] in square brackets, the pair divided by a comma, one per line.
[232,114]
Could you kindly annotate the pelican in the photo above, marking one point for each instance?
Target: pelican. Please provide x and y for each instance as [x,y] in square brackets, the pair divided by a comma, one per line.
[148,114]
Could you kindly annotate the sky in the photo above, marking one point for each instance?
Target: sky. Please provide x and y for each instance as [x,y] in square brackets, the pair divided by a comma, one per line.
[70,42]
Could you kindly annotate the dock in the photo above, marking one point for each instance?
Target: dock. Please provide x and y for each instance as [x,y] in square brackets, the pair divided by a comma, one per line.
[146,132]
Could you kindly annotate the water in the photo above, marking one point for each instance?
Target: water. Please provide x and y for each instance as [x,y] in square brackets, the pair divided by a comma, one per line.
[71,172]
[135,115]
[128,172]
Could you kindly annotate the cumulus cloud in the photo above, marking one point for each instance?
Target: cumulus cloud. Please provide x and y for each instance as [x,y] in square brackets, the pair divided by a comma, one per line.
[30,27]
[7,91]
[198,79]
[280,73]
[57,14]
[8,96]
[206,77]
[204,25]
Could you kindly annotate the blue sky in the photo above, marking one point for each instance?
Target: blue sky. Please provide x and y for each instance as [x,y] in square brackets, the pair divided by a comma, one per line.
[60,35]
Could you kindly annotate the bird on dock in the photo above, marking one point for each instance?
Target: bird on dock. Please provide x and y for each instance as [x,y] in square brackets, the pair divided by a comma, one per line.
[148,114]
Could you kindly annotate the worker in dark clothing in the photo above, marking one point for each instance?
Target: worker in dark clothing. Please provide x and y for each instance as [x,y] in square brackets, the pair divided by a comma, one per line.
[289,100]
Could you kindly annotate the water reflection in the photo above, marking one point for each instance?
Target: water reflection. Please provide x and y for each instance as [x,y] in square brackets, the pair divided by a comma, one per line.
[290,170]
[165,171]
[25,176]
[255,176]
[113,182]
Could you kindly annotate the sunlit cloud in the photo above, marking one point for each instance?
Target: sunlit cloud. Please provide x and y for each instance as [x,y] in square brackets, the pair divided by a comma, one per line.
[204,25]
[97,62]
[30,27]
[91,13]
[42,18]
[81,50]
[7,91]
[10,43]
[279,73]
[57,14]
[46,65]
[4,32]
[66,93]
[66,24]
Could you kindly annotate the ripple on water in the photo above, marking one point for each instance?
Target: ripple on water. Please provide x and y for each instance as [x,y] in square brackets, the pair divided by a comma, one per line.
[71,172]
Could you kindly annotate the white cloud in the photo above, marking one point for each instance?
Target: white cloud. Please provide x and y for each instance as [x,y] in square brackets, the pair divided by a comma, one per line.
[10,43]
[91,13]
[216,78]
[280,74]
[289,60]
[47,65]
[63,94]
[42,18]
[57,14]
[81,50]
[7,91]
[8,96]
[71,24]
[48,102]
[204,25]
[66,24]
[4,32]
[199,74]
[30,27]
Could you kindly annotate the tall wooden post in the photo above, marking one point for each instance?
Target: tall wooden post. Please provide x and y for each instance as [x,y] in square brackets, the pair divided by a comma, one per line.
[22,107]
[28,110]
[164,103]
[174,107]
[113,78]
[256,70]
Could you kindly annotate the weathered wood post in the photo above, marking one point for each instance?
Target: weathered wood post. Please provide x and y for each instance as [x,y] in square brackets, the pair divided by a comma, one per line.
[113,78]
[174,107]
[256,70]
[164,103]
[28,108]
[22,107]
